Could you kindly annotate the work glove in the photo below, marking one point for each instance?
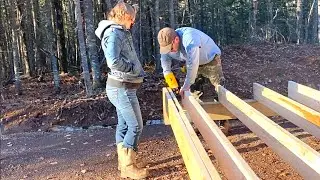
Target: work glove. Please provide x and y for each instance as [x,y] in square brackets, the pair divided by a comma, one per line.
[171,81]
[183,69]
[176,91]
[222,79]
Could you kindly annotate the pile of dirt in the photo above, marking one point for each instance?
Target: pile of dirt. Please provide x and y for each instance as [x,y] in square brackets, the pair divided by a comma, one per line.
[40,109]
[270,65]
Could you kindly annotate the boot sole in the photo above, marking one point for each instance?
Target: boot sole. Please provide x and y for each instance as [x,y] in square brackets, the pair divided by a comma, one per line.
[123,175]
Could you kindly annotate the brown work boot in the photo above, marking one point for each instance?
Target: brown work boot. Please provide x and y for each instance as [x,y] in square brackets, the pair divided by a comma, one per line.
[119,151]
[225,127]
[129,167]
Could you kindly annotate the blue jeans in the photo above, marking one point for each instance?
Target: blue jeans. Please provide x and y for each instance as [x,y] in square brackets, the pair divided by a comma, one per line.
[130,123]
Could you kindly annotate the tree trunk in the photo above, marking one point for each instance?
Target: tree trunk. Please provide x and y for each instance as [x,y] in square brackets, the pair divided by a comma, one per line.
[91,43]
[72,42]
[201,10]
[149,36]
[172,14]
[156,30]
[55,71]
[2,75]
[140,32]
[270,21]
[108,5]
[8,41]
[253,20]
[14,24]
[190,13]
[61,44]
[289,25]
[2,47]
[86,74]
[4,42]
[1,91]
[299,12]
[319,21]
[40,56]
[314,33]
[135,34]
[28,34]
[23,54]
[308,26]
[221,23]
[313,23]
[50,44]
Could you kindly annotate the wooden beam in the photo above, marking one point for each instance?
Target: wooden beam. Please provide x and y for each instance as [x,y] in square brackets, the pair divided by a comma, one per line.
[198,164]
[228,157]
[165,106]
[218,112]
[203,154]
[182,111]
[304,95]
[300,115]
[298,154]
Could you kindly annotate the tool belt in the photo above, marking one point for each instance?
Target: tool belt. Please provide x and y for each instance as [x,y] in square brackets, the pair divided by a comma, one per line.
[213,62]
[121,84]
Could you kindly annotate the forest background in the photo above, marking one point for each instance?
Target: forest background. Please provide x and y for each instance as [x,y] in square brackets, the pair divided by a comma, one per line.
[57,37]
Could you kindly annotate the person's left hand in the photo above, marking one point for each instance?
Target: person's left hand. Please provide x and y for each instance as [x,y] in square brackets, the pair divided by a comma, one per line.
[182,90]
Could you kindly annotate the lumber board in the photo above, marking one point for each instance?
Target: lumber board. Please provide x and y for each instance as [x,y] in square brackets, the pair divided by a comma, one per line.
[198,164]
[299,114]
[165,106]
[203,154]
[218,112]
[304,159]
[304,95]
[228,157]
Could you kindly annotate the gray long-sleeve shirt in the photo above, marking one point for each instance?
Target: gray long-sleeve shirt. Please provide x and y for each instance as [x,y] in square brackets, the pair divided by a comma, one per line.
[196,48]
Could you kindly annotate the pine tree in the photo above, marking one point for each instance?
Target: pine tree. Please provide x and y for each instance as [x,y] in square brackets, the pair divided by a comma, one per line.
[16,59]
[83,53]
[91,43]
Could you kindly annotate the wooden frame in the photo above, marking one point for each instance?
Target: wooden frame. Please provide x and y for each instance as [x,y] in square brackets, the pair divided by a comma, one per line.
[304,95]
[218,112]
[299,114]
[298,154]
[196,141]
[197,161]
[228,157]
[165,106]
[304,159]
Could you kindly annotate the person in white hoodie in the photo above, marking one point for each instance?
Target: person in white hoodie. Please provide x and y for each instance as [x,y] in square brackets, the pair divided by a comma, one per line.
[123,81]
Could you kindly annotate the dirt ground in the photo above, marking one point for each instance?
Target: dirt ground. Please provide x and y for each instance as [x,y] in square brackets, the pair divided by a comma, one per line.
[41,111]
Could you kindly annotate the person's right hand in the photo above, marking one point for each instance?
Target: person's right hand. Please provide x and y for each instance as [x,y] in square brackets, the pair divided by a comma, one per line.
[136,69]
[183,69]
[175,90]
